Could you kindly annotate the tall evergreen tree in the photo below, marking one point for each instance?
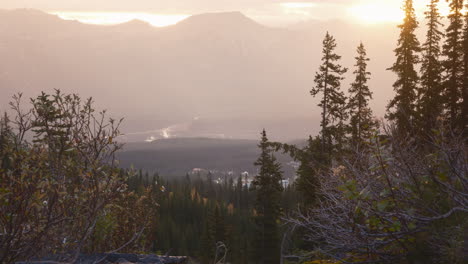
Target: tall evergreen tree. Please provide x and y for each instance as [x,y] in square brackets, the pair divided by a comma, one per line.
[430,103]
[312,162]
[6,139]
[464,120]
[268,189]
[453,64]
[207,241]
[361,123]
[5,130]
[402,108]
[219,225]
[328,82]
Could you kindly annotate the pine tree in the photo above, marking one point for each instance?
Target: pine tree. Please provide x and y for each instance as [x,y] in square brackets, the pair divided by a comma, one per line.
[219,225]
[430,102]
[402,108]
[210,191]
[453,64]
[6,138]
[239,187]
[339,129]
[312,162]
[208,242]
[361,123]
[5,131]
[328,82]
[268,189]
[464,120]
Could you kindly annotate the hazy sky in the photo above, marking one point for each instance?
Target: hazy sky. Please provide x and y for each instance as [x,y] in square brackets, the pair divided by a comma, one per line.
[201,70]
[273,12]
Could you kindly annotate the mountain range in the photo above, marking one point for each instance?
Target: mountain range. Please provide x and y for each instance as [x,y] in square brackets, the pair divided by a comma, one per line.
[219,75]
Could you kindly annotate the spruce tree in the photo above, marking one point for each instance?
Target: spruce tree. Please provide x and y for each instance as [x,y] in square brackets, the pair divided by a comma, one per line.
[464,120]
[268,189]
[430,102]
[5,131]
[361,119]
[6,140]
[207,240]
[219,225]
[312,162]
[328,82]
[239,188]
[453,65]
[401,108]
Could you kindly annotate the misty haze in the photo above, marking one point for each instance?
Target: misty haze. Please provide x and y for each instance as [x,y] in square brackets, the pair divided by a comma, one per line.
[204,75]
[234,132]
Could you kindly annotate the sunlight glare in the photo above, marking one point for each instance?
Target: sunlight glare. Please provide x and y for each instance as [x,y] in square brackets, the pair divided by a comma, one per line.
[112,18]
[381,11]
[444,8]
[377,12]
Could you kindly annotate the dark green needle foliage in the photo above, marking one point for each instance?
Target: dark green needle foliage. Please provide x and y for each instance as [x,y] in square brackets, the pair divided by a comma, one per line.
[402,108]
[328,82]
[313,162]
[362,122]
[268,189]
[430,102]
[453,51]
[464,120]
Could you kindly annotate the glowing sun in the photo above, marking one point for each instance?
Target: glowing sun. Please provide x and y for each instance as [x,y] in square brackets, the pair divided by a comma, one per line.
[377,12]
[381,11]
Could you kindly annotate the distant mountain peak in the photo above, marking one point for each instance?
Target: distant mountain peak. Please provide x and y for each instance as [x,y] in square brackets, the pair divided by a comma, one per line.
[29,19]
[220,19]
[234,16]
[28,12]
[135,22]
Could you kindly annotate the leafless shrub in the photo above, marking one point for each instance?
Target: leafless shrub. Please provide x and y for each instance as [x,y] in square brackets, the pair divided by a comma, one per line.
[376,211]
[58,172]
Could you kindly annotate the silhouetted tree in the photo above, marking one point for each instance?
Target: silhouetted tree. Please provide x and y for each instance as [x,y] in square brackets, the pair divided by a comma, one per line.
[312,162]
[402,107]
[464,121]
[430,103]
[268,189]
[453,64]
[328,82]
[361,123]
